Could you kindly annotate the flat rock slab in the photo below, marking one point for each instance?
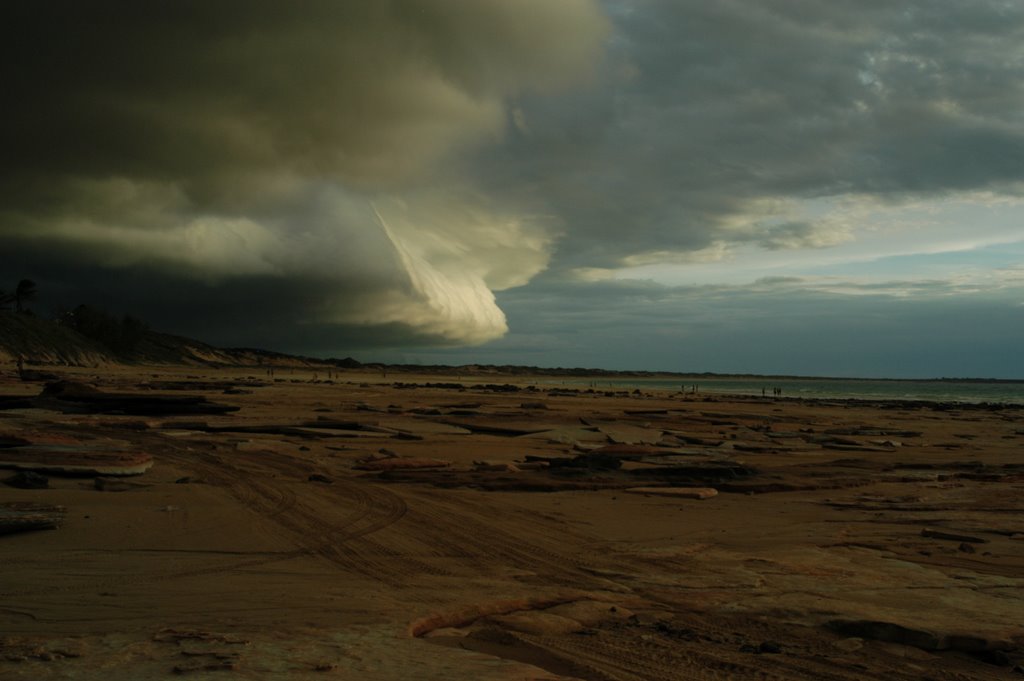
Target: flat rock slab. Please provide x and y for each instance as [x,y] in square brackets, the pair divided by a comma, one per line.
[23,516]
[630,435]
[569,435]
[336,424]
[498,426]
[951,536]
[678,492]
[634,452]
[856,448]
[694,440]
[73,397]
[27,480]
[919,638]
[117,485]
[873,431]
[337,432]
[687,459]
[422,426]
[497,467]
[399,463]
[35,437]
[75,461]
[766,448]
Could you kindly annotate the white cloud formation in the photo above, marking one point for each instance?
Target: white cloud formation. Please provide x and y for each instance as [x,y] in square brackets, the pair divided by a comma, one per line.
[227,141]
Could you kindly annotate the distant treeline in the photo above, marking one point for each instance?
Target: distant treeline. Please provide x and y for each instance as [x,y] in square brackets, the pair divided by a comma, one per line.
[121,335]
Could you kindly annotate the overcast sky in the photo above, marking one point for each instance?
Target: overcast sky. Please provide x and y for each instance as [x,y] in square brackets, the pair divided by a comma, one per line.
[772,186]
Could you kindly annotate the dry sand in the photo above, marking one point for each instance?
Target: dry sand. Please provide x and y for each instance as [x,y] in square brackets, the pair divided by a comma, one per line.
[432,532]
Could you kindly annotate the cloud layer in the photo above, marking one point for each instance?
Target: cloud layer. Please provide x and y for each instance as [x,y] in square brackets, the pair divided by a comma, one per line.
[332,176]
[721,121]
[218,141]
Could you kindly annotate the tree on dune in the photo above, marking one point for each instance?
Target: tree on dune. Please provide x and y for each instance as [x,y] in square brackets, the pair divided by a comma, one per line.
[25,292]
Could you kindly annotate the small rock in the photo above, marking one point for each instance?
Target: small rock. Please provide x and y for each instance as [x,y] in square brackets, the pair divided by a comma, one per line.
[888,632]
[949,536]
[495,467]
[997,658]
[678,492]
[674,631]
[450,632]
[28,480]
[770,647]
[850,644]
[965,548]
[108,485]
[317,477]
[533,465]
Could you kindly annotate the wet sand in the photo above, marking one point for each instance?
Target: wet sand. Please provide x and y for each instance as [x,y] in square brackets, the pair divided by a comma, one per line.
[371,527]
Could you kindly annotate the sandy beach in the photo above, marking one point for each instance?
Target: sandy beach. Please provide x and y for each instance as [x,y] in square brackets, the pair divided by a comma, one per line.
[362,526]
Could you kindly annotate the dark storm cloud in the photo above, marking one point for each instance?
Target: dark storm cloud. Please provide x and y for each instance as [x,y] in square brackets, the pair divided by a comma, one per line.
[308,147]
[716,116]
[392,163]
[365,91]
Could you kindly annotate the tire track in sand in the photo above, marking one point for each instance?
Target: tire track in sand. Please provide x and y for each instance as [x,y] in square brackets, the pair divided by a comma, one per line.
[262,482]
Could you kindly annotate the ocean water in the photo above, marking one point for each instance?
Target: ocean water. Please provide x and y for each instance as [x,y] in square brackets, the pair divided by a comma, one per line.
[819,388]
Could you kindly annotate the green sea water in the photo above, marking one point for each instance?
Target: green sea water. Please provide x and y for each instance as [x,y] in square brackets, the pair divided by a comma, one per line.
[1006,392]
